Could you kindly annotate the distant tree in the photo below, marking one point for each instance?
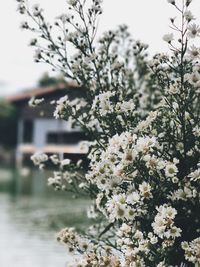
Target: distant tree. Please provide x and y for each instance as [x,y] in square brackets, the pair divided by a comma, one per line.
[46,80]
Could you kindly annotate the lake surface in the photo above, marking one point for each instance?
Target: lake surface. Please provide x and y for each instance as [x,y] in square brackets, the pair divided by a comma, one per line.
[30,216]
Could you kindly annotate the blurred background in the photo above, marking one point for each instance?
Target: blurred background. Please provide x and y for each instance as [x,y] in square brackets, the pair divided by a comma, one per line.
[31,213]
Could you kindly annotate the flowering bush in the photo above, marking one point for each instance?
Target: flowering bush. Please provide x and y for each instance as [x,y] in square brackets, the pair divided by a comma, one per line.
[142,116]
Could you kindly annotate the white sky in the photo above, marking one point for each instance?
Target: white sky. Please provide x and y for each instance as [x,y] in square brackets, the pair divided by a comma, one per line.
[148,21]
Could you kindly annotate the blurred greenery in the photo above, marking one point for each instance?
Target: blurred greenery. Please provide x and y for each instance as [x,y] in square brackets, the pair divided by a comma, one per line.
[46,80]
[8,124]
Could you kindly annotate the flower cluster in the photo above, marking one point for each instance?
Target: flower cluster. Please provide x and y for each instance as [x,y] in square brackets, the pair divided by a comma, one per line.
[164,223]
[39,159]
[192,251]
[33,102]
[142,117]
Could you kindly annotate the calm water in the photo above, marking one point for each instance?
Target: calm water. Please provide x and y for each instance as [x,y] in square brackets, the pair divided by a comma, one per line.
[30,216]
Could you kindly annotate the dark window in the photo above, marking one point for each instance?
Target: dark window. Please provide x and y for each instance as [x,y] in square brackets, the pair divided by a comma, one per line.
[65,138]
[28,131]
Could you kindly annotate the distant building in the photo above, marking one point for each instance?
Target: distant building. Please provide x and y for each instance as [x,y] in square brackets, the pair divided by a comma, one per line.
[39,131]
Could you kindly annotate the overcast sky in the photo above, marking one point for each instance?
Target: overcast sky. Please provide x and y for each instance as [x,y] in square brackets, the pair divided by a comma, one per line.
[148,21]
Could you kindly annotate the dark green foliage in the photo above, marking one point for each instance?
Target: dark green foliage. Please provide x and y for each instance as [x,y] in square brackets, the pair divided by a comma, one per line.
[8,124]
[46,80]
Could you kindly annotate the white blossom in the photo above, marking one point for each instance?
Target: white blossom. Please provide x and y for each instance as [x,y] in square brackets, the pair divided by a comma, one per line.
[192,250]
[163,224]
[188,15]
[171,170]
[168,37]
[39,158]
[33,102]
[193,30]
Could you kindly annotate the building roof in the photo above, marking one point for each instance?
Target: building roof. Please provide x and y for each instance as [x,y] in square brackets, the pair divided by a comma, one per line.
[40,91]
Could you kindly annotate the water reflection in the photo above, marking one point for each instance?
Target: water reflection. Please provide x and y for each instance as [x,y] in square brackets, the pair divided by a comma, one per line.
[30,216]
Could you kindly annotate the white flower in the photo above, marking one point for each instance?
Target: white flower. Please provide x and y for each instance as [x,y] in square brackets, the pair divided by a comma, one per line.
[193,78]
[125,106]
[33,102]
[33,42]
[145,190]
[163,224]
[38,54]
[195,175]
[138,234]
[91,212]
[153,238]
[97,8]
[133,197]
[168,37]
[39,158]
[84,146]
[125,228]
[173,90]
[188,15]
[171,170]
[103,103]
[72,2]
[56,180]
[193,30]
[65,162]
[62,105]
[173,232]
[161,264]
[116,208]
[194,52]
[144,144]
[196,131]
[192,251]
[36,10]
[144,124]
[54,158]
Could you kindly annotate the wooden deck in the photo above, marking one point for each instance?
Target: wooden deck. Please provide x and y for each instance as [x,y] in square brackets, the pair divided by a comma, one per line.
[53,149]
